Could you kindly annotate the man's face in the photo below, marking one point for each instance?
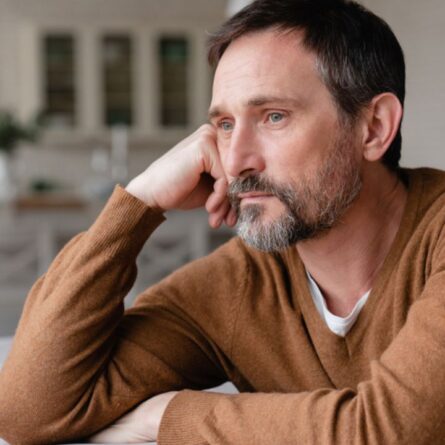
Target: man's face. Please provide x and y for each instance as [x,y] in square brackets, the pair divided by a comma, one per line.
[293,168]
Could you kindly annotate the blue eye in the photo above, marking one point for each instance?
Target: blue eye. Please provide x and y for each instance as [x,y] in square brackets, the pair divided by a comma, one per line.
[226,126]
[276,117]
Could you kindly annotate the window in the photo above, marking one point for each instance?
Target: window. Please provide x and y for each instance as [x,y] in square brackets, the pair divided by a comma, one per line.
[59,80]
[118,79]
[174,59]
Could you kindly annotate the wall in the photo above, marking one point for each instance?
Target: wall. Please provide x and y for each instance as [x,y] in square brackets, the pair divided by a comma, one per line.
[234,6]
[420,28]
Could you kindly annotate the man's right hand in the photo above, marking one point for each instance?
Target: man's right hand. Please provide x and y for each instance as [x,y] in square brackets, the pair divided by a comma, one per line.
[188,176]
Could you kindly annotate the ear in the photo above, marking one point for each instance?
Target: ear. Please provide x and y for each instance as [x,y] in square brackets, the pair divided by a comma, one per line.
[381,122]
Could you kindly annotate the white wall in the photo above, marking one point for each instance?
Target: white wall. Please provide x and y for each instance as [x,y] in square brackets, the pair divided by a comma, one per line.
[420,28]
[233,6]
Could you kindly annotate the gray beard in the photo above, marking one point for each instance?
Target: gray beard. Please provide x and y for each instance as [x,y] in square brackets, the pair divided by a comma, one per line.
[311,208]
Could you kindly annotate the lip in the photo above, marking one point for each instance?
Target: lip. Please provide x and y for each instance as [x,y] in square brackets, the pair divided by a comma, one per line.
[251,195]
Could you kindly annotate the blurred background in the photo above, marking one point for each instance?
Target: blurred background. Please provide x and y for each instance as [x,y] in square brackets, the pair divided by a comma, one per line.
[92,91]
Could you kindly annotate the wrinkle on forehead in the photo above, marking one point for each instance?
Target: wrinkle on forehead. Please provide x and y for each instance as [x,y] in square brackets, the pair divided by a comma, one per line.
[260,41]
[269,63]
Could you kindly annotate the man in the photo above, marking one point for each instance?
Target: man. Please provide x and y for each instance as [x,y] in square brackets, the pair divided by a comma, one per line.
[328,315]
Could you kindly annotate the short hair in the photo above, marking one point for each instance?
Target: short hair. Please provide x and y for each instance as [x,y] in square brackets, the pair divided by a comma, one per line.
[358,55]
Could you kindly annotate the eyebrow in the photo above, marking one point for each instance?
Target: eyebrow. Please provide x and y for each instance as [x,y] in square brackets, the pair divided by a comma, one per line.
[259,102]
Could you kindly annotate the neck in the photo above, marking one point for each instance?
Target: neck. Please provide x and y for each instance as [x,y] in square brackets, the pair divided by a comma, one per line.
[345,260]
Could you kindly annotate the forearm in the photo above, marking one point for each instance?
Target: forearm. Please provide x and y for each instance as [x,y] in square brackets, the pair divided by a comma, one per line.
[66,331]
[400,403]
[323,416]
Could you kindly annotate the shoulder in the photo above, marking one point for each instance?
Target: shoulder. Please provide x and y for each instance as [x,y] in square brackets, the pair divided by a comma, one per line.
[426,184]
[426,195]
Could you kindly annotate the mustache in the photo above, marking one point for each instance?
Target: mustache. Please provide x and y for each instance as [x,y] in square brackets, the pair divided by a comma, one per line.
[256,183]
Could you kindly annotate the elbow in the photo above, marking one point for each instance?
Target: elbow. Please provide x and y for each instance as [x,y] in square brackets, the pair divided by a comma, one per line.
[15,432]
[43,417]
[29,427]
[34,424]
[29,418]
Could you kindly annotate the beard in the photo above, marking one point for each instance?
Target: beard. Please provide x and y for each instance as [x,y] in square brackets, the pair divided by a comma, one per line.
[311,207]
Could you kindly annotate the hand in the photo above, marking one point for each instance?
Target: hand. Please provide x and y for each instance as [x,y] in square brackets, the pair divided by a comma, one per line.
[188,176]
[139,425]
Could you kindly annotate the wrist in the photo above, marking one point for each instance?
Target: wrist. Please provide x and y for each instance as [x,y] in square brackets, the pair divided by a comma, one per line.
[140,192]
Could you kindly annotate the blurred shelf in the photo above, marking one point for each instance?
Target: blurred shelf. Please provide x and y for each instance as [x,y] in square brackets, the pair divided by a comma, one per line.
[50,201]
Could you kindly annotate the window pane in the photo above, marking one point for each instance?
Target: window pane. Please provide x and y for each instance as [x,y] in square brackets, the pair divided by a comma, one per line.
[174,95]
[59,80]
[118,85]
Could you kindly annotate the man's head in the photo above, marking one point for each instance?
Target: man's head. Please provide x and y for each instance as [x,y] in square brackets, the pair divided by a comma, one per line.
[357,54]
[297,111]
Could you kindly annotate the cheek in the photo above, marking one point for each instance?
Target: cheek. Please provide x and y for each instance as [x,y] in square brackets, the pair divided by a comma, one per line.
[299,153]
[290,155]
[222,142]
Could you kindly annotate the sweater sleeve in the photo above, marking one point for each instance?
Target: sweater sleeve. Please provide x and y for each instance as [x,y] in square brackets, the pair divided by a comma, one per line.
[78,362]
[402,402]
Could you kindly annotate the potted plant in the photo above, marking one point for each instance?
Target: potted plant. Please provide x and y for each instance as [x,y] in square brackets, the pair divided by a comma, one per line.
[12,132]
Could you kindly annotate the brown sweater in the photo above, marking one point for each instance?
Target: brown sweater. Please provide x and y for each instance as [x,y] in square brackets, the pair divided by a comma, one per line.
[79,362]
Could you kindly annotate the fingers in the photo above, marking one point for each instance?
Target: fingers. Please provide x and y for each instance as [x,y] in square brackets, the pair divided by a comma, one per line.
[212,160]
[217,204]
[231,217]
[216,218]
[218,196]
[115,433]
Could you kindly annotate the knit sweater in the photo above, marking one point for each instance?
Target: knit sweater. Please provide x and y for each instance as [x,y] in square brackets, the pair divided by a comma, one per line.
[79,361]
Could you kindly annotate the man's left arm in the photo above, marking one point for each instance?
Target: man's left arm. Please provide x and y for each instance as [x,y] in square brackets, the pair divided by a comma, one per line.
[402,402]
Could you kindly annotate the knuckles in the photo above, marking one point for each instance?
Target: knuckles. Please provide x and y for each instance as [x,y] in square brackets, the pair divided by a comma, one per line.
[207,130]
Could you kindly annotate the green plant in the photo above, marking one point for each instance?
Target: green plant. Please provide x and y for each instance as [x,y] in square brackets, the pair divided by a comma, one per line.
[12,131]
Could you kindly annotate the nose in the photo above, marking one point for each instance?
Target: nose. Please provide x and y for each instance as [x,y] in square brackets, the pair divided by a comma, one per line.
[243,154]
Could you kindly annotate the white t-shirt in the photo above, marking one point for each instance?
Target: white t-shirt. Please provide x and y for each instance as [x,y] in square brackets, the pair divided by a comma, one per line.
[338,325]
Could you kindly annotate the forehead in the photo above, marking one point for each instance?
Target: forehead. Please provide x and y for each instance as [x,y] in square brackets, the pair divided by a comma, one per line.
[267,63]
